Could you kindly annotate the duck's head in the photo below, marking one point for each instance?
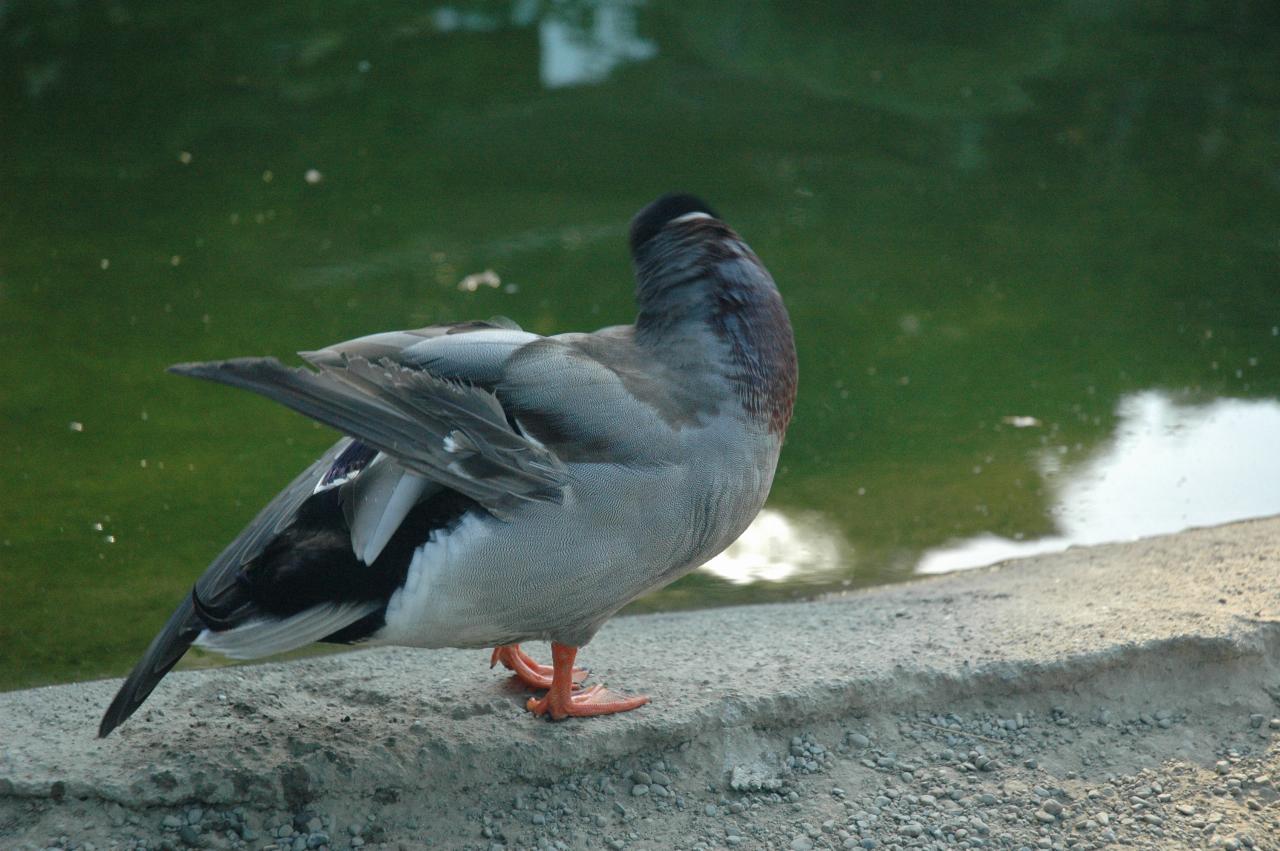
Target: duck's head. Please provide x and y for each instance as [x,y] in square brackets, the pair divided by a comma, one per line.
[695,275]
[669,209]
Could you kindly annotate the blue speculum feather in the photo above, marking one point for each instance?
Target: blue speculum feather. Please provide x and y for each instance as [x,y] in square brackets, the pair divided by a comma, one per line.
[352,460]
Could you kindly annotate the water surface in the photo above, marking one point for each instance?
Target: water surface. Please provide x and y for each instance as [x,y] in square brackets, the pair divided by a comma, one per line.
[1030,252]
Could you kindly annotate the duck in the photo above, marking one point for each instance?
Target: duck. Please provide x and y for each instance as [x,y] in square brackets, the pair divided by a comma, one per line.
[494,487]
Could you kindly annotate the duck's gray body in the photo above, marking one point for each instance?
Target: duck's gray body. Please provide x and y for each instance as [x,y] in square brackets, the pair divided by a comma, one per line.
[498,486]
[557,571]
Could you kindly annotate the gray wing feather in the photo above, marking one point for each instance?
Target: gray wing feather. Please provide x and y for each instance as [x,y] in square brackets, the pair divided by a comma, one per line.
[474,352]
[451,433]
[275,516]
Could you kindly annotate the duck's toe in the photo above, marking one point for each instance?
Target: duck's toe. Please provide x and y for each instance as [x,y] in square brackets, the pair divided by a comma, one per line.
[561,701]
[596,700]
[528,671]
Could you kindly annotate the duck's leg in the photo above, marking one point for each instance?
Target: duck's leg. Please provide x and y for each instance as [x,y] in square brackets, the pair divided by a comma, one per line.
[526,669]
[562,702]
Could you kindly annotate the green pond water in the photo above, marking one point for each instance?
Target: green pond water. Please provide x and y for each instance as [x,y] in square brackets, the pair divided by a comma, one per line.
[1031,252]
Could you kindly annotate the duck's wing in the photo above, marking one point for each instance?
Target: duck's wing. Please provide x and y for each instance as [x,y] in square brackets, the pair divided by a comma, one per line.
[347,506]
[343,459]
[453,433]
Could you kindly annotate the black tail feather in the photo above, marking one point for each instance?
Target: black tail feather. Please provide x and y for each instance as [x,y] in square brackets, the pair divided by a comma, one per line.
[165,651]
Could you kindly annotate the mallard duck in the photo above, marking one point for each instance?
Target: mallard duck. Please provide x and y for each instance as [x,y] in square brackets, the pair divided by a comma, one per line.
[495,486]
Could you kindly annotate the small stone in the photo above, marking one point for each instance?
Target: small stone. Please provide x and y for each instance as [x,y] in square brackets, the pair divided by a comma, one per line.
[858,740]
[642,778]
[1274,723]
[1044,817]
[801,843]
[317,839]
[640,789]
[710,810]
[912,829]
[172,822]
[189,835]
[661,779]
[1052,807]
[194,815]
[1185,809]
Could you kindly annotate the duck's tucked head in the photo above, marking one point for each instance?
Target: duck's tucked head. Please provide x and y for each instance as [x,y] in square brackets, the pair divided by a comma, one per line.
[650,221]
[694,272]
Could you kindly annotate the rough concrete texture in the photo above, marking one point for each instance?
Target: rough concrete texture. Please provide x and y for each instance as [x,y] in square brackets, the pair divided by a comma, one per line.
[1115,694]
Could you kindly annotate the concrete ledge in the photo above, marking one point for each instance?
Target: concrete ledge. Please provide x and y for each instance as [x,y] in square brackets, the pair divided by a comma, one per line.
[1124,626]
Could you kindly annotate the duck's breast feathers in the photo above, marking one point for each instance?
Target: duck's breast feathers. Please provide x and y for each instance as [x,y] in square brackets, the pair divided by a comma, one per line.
[752,321]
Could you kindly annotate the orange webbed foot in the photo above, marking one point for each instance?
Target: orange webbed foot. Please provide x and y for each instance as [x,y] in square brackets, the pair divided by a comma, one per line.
[529,672]
[561,702]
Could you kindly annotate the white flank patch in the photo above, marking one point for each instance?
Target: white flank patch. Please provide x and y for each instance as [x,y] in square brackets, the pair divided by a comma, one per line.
[408,618]
[268,636]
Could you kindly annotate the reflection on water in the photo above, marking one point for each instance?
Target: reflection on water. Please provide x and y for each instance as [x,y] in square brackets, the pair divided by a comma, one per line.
[1170,466]
[776,547]
[576,52]
[579,43]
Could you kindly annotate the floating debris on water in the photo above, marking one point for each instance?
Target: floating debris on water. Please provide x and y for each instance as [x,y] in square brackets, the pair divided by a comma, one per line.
[76,426]
[1021,421]
[476,280]
[313,176]
[184,157]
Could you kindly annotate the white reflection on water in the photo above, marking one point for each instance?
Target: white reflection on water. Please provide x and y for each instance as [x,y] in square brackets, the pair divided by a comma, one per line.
[776,547]
[1171,466]
[577,52]
[579,43]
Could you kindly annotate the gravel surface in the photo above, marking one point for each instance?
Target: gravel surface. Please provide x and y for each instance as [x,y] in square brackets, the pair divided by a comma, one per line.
[1116,696]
